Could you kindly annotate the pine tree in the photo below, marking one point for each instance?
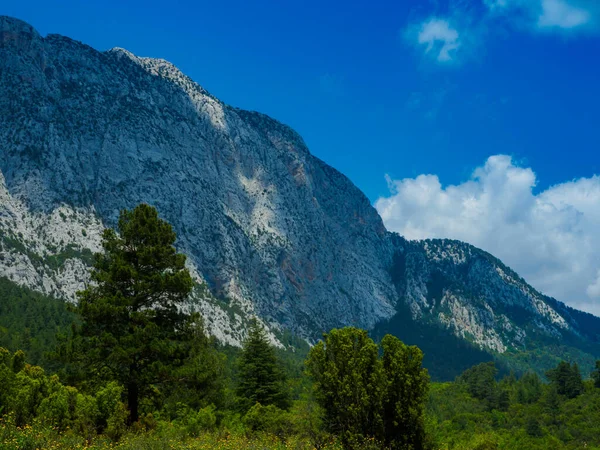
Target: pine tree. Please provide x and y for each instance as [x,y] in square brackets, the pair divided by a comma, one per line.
[131,329]
[574,385]
[261,378]
[596,375]
[552,402]
[567,380]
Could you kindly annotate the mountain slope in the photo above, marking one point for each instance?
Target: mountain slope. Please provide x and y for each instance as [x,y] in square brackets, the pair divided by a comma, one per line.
[265,223]
[454,290]
[269,229]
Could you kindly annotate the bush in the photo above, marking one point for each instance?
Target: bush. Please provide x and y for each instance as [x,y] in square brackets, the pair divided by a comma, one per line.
[112,413]
[196,422]
[268,419]
[58,409]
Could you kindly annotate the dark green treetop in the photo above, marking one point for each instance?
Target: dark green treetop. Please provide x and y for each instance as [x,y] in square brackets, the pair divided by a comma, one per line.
[566,378]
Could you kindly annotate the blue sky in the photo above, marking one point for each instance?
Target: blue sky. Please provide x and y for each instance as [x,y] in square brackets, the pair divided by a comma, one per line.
[497,100]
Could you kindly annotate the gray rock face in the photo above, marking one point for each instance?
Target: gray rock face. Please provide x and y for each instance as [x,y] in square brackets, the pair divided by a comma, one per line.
[264,222]
[474,295]
[266,225]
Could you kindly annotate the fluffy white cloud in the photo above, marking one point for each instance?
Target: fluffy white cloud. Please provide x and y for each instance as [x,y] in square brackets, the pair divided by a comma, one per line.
[550,238]
[439,38]
[548,15]
[561,14]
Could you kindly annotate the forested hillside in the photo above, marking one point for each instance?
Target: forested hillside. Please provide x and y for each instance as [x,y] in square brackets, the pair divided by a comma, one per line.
[126,367]
[30,321]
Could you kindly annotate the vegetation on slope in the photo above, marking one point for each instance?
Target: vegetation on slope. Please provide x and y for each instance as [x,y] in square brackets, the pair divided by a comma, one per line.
[137,373]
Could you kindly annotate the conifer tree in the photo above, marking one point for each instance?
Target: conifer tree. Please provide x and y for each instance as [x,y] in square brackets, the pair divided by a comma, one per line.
[131,329]
[261,378]
[566,378]
[596,375]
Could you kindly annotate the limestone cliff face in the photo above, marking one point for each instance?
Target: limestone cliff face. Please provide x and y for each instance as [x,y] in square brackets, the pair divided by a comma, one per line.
[475,296]
[269,228]
[265,223]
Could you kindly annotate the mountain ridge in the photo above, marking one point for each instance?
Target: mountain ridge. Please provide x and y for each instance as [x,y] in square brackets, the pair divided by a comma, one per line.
[269,229]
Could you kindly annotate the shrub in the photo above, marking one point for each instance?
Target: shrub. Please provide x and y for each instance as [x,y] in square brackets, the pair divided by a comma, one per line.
[196,422]
[268,419]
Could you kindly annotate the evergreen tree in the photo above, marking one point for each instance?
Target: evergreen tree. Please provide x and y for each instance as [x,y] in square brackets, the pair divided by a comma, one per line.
[567,380]
[481,383]
[596,375]
[574,385]
[552,403]
[529,388]
[131,329]
[261,379]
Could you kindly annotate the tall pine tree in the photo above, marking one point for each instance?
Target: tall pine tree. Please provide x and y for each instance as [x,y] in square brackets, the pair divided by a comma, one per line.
[261,379]
[131,329]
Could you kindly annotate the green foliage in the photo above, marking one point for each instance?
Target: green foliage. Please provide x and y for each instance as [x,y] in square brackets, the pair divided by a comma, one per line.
[197,422]
[406,391]
[480,382]
[365,396]
[536,417]
[268,419]
[29,321]
[567,380]
[349,384]
[201,379]
[261,379]
[38,411]
[529,388]
[131,329]
[596,375]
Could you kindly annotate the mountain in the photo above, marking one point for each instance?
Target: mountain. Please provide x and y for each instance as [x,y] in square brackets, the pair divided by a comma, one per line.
[269,229]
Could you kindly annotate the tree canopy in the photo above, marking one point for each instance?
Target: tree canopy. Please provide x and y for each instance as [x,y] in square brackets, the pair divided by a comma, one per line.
[365,395]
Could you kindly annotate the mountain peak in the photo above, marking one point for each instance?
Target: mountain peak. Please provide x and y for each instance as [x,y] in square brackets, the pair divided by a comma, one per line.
[12,24]
[16,32]
[20,37]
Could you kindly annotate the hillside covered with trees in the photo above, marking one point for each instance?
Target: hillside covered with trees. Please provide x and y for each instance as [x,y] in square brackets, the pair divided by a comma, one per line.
[126,367]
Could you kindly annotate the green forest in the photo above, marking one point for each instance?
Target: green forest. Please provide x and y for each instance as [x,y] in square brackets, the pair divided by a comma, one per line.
[126,367]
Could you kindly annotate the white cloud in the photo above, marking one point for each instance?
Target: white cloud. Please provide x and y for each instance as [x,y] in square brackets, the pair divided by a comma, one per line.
[550,238]
[493,4]
[561,14]
[593,290]
[547,15]
[440,39]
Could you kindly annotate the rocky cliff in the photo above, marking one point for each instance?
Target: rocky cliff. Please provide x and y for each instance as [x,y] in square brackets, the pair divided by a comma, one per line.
[268,228]
[264,223]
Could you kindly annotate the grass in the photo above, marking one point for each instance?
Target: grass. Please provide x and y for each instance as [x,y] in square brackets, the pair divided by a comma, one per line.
[40,437]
